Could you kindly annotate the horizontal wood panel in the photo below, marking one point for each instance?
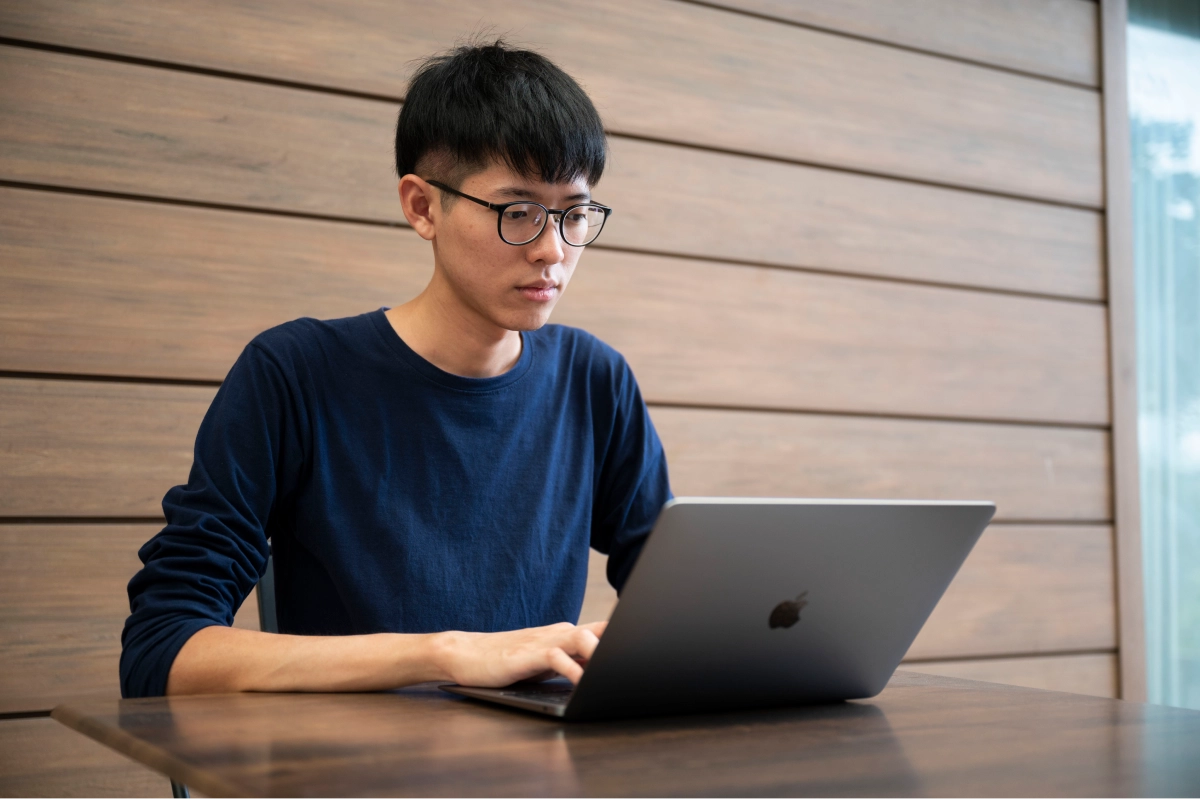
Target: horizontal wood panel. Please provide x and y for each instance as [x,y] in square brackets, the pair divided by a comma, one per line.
[220,141]
[95,124]
[1094,674]
[94,449]
[78,448]
[775,89]
[710,333]
[695,202]
[1056,38]
[148,290]
[63,603]
[40,757]
[1031,473]
[1023,589]
[1026,590]
[99,286]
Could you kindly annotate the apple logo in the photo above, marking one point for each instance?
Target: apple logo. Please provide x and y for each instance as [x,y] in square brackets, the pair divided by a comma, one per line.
[787,613]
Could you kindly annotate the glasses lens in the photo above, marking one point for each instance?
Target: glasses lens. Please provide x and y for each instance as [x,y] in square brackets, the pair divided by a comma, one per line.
[581,224]
[520,224]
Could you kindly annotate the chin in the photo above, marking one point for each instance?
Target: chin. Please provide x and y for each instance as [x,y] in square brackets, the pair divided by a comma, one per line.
[523,319]
[526,321]
[533,323]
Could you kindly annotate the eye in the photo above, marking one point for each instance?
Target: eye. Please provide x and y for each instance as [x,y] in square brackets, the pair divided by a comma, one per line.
[515,214]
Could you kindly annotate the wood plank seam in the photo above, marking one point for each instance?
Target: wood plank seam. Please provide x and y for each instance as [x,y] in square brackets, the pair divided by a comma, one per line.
[849,170]
[376,223]
[885,43]
[77,377]
[49,46]
[193,69]
[610,129]
[1048,653]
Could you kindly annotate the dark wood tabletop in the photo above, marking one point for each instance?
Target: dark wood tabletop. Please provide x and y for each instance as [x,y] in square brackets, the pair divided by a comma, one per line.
[923,735]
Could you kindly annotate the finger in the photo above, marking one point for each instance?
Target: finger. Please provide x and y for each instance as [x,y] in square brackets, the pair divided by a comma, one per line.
[597,627]
[582,644]
[561,662]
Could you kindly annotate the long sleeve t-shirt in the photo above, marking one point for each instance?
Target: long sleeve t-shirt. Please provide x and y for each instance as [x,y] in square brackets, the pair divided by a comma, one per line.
[396,497]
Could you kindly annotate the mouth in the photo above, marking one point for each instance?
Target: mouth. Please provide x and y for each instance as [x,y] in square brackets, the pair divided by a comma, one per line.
[539,292]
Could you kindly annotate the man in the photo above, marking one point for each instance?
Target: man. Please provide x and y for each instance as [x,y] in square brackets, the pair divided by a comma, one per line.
[430,476]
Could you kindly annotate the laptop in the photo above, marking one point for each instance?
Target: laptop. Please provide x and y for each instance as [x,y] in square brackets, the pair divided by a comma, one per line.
[748,603]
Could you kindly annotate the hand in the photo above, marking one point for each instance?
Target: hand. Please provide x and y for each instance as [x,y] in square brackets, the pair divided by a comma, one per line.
[493,660]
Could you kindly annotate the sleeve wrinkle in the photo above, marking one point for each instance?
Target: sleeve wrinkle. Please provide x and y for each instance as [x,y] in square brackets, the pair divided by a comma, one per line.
[633,484]
[213,550]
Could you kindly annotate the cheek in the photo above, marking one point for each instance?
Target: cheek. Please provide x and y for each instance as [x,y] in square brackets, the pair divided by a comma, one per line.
[569,264]
[475,256]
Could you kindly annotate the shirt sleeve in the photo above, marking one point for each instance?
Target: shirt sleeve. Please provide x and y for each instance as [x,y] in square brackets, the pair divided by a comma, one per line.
[633,482]
[213,550]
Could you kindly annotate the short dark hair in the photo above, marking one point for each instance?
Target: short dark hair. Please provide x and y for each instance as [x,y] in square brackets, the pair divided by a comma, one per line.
[491,102]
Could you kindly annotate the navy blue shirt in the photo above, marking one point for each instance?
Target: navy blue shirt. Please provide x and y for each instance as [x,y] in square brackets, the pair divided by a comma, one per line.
[398,497]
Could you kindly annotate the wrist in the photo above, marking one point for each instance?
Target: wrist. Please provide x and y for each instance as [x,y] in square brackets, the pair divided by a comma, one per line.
[441,654]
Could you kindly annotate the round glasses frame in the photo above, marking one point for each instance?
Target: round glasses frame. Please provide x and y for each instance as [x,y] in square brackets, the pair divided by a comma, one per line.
[500,208]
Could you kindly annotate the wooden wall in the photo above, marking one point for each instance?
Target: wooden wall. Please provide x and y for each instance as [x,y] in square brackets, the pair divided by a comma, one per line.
[858,251]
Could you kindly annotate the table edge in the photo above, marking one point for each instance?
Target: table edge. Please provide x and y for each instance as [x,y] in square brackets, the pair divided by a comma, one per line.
[140,751]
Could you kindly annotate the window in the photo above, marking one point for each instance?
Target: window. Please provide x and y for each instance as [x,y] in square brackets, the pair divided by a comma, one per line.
[1164,100]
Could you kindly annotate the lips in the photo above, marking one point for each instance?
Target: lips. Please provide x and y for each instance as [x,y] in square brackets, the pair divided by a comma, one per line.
[539,292]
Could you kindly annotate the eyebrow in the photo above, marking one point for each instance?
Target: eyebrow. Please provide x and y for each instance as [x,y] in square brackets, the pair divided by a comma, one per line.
[525,194]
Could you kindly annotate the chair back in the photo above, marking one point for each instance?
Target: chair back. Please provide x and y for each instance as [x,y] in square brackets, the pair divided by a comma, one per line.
[266,599]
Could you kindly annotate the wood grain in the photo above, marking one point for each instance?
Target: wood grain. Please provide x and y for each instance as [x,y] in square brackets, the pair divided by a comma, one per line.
[146,290]
[114,287]
[1092,674]
[210,140]
[123,288]
[693,202]
[717,334]
[775,90]
[76,448]
[96,124]
[40,757]
[1027,589]
[1055,38]
[1031,473]
[63,604]
[924,735]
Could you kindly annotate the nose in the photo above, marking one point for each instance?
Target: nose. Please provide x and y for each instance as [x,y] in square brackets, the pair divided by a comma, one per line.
[548,246]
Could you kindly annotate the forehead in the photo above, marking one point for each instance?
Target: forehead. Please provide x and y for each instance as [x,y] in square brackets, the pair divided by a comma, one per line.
[503,184]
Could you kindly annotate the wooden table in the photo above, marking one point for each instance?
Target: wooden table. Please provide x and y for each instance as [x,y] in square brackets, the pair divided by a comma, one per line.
[923,735]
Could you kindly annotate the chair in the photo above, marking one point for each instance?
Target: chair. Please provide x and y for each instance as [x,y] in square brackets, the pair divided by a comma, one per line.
[265,592]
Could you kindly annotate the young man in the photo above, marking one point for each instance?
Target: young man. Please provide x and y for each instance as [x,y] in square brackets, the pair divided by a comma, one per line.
[429,477]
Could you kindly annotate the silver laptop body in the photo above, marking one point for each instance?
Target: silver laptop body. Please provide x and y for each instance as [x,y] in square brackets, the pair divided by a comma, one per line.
[740,603]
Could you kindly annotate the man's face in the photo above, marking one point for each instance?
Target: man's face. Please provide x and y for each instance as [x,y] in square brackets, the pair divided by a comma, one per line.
[513,287]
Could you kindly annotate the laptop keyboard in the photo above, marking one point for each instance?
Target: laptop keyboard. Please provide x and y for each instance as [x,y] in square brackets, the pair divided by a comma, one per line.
[550,695]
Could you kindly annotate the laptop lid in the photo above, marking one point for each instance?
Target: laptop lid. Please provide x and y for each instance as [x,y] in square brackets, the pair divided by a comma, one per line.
[738,603]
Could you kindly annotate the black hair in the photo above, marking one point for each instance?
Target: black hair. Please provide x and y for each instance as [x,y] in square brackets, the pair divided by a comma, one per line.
[491,102]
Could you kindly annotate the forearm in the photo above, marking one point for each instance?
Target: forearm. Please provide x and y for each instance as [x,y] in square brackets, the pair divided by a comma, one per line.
[225,659]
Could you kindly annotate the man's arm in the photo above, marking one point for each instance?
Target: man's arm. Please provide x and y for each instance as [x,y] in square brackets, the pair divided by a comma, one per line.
[220,659]
[633,484]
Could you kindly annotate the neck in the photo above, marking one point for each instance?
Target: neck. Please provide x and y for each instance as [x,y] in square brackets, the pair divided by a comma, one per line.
[440,328]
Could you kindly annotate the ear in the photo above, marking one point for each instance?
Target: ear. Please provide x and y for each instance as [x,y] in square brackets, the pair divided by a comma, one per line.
[418,200]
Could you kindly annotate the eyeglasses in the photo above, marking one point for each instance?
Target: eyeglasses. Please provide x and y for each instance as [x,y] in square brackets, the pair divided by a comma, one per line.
[521,222]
